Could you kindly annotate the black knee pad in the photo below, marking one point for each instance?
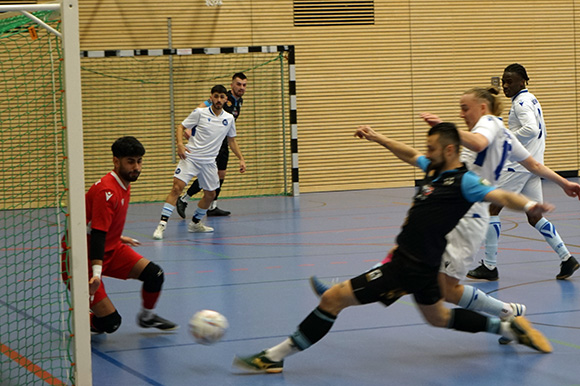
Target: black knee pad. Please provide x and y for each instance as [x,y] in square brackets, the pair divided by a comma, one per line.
[152,277]
[108,324]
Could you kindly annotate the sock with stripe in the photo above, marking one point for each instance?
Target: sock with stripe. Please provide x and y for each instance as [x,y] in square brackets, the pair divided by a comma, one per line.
[548,230]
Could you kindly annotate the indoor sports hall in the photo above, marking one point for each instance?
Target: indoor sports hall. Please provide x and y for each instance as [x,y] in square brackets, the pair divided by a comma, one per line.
[254,269]
[76,75]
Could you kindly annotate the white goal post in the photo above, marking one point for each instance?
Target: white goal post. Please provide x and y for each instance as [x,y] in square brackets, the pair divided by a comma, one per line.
[80,338]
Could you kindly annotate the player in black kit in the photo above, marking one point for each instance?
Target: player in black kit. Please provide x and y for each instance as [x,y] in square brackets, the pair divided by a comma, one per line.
[448,191]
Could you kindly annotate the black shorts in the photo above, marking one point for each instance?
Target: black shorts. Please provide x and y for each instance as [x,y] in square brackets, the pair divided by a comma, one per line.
[223,156]
[399,277]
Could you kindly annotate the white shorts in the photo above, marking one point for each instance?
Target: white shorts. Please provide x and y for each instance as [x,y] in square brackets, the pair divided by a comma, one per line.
[464,241]
[527,184]
[206,173]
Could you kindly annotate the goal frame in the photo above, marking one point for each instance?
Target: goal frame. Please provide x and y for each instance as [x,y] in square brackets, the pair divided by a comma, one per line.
[290,105]
[79,290]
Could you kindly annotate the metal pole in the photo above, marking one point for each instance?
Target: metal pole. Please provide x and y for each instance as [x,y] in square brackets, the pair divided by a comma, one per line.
[81,340]
[29,7]
[171,96]
[41,23]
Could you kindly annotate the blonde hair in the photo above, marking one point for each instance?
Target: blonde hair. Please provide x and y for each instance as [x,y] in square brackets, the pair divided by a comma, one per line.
[489,96]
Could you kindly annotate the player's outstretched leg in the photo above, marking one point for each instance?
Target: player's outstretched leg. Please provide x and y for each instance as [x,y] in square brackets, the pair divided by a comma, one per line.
[525,334]
[319,286]
[258,363]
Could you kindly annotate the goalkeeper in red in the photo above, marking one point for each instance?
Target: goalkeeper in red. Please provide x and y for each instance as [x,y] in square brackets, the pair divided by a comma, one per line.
[110,253]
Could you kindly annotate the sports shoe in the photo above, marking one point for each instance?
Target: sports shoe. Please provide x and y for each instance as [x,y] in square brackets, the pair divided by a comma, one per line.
[483,273]
[258,364]
[319,286]
[215,212]
[156,322]
[567,268]
[198,227]
[158,234]
[180,206]
[515,310]
[529,336]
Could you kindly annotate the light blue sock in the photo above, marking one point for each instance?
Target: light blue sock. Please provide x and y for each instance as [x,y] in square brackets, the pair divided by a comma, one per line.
[199,213]
[167,210]
[494,325]
[491,241]
[476,300]
[548,230]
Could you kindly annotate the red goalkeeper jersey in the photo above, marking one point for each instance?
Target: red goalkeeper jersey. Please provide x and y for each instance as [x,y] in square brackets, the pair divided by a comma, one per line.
[107,202]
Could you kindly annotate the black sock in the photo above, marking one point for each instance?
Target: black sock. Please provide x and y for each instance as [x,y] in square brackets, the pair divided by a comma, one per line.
[312,329]
[218,190]
[467,320]
[193,189]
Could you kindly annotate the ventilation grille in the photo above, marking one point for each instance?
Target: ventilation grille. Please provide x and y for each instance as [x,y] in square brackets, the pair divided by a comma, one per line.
[326,13]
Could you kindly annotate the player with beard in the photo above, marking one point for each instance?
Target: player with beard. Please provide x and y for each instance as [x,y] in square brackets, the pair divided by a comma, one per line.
[110,253]
[210,126]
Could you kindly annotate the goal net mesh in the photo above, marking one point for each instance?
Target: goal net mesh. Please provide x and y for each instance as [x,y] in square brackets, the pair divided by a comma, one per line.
[35,321]
[131,95]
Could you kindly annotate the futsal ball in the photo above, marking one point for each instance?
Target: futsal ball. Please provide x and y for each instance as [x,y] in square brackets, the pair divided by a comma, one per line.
[207,326]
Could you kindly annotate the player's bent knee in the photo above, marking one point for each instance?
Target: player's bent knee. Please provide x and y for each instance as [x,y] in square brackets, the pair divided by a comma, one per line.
[152,277]
[335,300]
[437,315]
[108,324]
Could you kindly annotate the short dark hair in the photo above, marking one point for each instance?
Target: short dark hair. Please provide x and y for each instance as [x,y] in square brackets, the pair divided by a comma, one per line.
[240,75]
[219,89]
[127,147]
[518,69]
[448,134]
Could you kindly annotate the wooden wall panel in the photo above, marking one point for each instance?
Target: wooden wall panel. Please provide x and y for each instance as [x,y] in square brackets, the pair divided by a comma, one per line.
[418,56]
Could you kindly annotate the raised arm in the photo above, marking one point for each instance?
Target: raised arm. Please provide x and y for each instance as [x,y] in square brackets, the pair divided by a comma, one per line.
[572,189]
[473,141]
[517,202]
[399,149]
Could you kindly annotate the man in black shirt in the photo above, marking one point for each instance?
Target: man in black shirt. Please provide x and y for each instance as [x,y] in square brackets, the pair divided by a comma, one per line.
[233,106]
[448,191]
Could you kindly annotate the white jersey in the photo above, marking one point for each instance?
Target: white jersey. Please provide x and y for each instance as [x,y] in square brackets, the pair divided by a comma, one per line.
[503,146]
[526,121]
[207,133]
[465,239]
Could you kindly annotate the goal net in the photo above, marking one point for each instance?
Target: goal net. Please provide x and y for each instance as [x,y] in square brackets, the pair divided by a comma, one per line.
[146,93]
[36,322]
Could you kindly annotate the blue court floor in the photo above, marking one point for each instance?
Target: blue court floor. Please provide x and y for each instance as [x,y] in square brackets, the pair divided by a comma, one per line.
[254,269]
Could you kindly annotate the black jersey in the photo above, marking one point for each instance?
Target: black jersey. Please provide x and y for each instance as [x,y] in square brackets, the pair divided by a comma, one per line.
[439,204]
[233,105]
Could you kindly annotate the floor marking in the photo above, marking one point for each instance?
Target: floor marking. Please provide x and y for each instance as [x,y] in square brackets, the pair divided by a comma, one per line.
[30,366]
